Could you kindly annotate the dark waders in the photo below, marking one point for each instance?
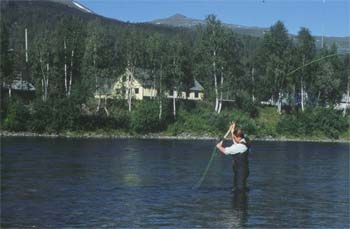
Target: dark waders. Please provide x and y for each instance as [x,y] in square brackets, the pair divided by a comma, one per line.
[240,166]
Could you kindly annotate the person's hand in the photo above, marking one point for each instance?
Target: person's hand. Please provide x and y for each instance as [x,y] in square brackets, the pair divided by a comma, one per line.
[232,127]
[219,144]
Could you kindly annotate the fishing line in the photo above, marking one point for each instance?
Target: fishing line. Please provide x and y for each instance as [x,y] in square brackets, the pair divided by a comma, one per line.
[228,88]
[199,183]
[314,61]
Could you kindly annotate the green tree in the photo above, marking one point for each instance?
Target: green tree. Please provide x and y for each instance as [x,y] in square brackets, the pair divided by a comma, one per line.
[209,54]
[6,55]
[274,61]
[178,68]
[306,50]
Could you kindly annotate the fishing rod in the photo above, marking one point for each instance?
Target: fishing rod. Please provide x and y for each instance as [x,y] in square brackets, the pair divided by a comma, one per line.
[200,181]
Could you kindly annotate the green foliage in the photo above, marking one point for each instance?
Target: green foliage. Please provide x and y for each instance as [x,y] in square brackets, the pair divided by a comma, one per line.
[17,117]
[97,122]
[145,117]
[203,120]
[329,122]
[245,103]
[54,115]
[103,49]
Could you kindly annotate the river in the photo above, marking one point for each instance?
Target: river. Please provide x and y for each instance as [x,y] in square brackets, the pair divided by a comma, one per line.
[96,183]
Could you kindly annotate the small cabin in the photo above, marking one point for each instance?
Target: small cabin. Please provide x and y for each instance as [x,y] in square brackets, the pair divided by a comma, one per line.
[142,87]
[19,87]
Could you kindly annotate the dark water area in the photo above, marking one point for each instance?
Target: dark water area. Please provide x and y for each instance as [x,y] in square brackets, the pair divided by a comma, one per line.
[95,183]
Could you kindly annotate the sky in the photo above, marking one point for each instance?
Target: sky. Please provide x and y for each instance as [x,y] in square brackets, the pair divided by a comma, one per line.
[328,17]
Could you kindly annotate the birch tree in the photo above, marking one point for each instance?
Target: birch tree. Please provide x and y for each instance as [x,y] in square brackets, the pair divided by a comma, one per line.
[133,52]
[209,52]
[43,63]
[179,72]
[306,50]
[275,53]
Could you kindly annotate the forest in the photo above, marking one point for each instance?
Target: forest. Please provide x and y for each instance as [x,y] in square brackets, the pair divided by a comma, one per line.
[67,55]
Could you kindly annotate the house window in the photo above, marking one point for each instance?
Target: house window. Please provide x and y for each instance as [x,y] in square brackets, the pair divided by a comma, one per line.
[196,94]
[136,90]
[187,94]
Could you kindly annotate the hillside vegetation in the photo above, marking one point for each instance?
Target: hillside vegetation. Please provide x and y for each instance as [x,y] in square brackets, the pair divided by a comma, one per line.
[70,52]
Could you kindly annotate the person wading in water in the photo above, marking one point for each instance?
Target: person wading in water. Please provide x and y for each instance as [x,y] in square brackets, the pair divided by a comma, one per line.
[240,164]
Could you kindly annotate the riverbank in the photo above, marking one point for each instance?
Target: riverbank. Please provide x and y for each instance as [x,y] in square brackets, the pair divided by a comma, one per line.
[182,136]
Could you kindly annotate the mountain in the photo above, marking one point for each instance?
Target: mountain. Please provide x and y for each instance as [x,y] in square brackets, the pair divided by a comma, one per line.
[73,4]
[179,20]
[20,11]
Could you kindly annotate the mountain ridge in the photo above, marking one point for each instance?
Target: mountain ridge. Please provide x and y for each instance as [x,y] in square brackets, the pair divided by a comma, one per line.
[180,20]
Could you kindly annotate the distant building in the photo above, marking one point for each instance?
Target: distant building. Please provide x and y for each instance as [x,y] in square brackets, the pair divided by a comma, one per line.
[20,88]
[344,103]
[142,87]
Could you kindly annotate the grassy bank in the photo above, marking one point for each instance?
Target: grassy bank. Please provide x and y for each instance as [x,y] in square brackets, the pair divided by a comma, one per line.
[193,120]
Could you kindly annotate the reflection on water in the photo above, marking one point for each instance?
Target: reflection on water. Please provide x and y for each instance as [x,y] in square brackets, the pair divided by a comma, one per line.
[148,183]
[240,207]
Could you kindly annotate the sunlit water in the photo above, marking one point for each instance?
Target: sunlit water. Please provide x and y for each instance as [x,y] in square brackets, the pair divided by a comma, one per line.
[149,183]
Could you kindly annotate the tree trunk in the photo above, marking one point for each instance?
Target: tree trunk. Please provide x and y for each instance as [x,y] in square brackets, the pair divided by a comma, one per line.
[279,103]
[253,81]
[71,74]
[215,84]
[105,107]
[221,86]
[160,92]
[98,104]
[347,98]
[46,82]
[43,79]
[174,103]
[65,68]
[94,62]
[302,86]
[129,92]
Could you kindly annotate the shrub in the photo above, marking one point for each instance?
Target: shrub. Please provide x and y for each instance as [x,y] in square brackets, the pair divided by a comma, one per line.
[55,115]
[329,122]
[246,104]
[18,116]
[145,117]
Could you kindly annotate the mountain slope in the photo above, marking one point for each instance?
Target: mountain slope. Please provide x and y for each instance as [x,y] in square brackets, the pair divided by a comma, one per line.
[179,20]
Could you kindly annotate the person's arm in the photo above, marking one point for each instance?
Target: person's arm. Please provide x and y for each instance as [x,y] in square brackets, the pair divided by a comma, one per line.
[232,128]
[220,147]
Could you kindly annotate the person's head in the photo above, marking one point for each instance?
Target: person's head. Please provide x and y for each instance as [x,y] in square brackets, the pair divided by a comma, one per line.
[237,135]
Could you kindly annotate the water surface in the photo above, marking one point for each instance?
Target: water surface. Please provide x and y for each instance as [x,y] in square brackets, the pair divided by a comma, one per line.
[149,183]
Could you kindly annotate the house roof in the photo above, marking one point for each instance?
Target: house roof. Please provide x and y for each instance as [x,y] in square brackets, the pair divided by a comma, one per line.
[20,85]
[143,76]
[344,98]
[104,85]
[145,79]
[197,86]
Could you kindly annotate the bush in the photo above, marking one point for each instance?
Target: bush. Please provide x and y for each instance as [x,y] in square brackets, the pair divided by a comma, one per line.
[145,117]
[18,116]
[329,122]
[243,120]
[205,120]
[246,104]
[55,115]
[116,120]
